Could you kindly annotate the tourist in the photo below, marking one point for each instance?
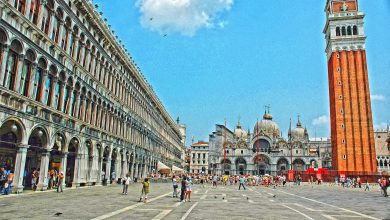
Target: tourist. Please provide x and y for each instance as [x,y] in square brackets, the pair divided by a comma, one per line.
[359,182]
[242,183]
[284,180]
[8,184]
[215,180]
[384,185]
[126,182]
[175,186]
[60,181]
[2,179]
[51,178]
[188,189]
[113,176]
[183,188]
[34,179]
[367,186]
[145,190]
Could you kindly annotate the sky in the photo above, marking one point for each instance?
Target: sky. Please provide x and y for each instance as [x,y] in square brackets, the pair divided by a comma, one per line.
[210,60]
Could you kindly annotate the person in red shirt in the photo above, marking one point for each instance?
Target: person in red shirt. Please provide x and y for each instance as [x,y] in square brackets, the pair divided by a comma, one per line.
[384,185]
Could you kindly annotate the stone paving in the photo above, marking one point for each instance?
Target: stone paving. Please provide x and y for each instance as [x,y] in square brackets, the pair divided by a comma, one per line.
[224,202]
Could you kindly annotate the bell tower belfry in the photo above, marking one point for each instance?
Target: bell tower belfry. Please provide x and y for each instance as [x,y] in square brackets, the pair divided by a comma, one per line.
[352,134]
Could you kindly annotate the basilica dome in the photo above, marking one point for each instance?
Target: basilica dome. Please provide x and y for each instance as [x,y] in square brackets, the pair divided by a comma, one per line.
[298,133]
[239,132]
[267,127]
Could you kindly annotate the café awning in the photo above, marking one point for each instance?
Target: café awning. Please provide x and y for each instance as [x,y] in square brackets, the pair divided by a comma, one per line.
[162,167]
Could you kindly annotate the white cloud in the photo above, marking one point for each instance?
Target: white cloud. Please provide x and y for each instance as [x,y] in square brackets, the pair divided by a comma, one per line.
[322,120]
[182,16]
[381,125]
[377,97]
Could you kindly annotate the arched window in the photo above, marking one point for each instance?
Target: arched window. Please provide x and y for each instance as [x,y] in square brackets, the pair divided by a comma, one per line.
[56,94]
[37,85]
[343,31]
[34,11]
[46,89]
[26,73]
[355,30]
[337,31]
[12,64]
[55,29]
[20,5]
[349,30]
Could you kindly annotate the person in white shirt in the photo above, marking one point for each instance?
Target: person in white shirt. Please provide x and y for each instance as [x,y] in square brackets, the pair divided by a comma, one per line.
[126,182]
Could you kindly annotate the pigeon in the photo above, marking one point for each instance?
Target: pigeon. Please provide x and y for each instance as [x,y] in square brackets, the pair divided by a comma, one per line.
[58,214]
[247,198]
[215,197]
[274,196]
[223,198]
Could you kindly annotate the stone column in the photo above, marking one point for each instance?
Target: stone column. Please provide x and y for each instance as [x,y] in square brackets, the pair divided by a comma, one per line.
[82,108]
[42,185]
[100,165]
[31,80]
[76,105]
[19,69]
[108,170]
[117,168]
[52,91]
[59,32]
[42,82]
[27,8]
[135,174]
[90,169]
[77,169]
[61,96]
[20,163]
[64,159]
[4,51]
[125,166]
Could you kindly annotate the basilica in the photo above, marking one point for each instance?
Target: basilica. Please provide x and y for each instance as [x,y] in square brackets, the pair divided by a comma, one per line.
[265,150]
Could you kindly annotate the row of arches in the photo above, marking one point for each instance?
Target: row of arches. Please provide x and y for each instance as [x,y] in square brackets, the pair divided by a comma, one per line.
[347,30]
[92,54]
[41,149]
[261,165]
[383,163]
[33,77]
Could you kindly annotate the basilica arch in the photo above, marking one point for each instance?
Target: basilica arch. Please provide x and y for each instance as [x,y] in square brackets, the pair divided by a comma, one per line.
[262,164]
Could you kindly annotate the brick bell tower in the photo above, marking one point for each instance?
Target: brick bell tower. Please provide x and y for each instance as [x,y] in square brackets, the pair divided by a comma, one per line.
[352,135]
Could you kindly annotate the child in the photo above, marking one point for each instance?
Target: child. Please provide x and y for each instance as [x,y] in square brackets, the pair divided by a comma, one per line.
[145,190]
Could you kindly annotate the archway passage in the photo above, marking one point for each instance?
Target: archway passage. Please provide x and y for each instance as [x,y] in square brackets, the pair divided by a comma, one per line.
[10,137]
[71,162]
[56,156]
[282,165]
[241,166]
[226,166]
[37,143]
[262,163]
[299,165]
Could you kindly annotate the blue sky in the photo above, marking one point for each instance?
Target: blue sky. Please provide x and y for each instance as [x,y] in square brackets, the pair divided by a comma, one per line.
[240,55]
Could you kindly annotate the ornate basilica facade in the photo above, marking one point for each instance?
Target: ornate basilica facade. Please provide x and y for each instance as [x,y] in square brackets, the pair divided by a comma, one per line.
[72,98]
[265,151]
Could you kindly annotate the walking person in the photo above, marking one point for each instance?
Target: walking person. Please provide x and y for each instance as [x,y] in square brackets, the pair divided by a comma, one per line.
[183,188]
[126,182]
[60,181]
[175,186]
[188,189]
[242,183]
[215,180]
[10,179]
[2,179]
[367,186]
[384,185]
[145,190]
[113,176]
[34,180]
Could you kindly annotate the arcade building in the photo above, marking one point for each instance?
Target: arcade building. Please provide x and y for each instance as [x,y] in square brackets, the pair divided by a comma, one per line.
[72,98]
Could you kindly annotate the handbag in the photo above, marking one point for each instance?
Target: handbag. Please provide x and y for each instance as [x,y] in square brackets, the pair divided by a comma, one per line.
[6,185]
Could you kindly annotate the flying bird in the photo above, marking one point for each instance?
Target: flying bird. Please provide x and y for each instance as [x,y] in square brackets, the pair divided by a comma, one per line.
[165,35]
[151,19]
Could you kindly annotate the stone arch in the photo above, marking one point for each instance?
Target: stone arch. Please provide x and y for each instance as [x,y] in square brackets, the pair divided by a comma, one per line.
[42,63]
[299,164]
[3,36]
[16,126]
[31,55]
[17,46]
[282,164]
[39,135]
